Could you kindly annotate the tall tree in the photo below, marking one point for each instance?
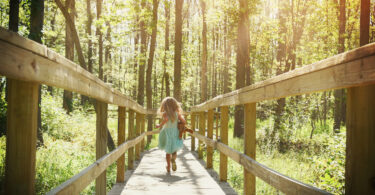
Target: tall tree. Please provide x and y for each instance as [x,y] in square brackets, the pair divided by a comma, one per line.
[150,62]
[177,50]
[204,53]
[100,38]
[142,61]
[88,31]
[36,33]
[227,51]
[167,6]
[242,61]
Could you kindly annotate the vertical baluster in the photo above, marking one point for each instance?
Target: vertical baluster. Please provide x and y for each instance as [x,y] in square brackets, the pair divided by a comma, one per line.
[202,129]
[131,136]
[101,143]
[224,140]
[193,117]
[217,125]
[210,129]
[137,133]
[120,140]
[21,137]
[142,131]
[250,145]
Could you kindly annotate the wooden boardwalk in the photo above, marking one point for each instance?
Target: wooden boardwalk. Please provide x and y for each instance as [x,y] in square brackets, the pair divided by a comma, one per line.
[191,177]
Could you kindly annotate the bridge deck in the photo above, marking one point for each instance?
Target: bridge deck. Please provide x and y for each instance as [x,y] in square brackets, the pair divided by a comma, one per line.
[150,177]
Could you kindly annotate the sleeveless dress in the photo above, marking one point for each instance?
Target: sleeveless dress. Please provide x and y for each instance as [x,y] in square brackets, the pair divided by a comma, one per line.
[168,137]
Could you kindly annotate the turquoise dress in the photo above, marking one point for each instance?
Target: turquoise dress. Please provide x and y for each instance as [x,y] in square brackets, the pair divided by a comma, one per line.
[168,137]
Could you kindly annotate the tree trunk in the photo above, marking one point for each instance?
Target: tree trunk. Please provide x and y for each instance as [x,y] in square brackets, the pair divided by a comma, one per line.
[242,61]
[142,62]
[100,39]
[136,40]
[178,51]
[88,31]
[36,27]
[204,54]
[107,55]
[165,74]
[155,4]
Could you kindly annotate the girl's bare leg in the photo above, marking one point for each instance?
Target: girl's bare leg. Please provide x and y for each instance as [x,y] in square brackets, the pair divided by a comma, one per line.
[174,155]
[168,158]
[174,167]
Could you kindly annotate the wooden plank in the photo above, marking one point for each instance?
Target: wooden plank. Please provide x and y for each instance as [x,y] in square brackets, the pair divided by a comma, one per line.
[38,64]
[217,125]
[137,133]
[131,136]
[21,137]
[360,141]
[281,182]
[121,139]
[101,143]
[143,129]
[193,117]
[81,180]
[250,145]
[223,139]
[210,126]
[333,73]
[202,128]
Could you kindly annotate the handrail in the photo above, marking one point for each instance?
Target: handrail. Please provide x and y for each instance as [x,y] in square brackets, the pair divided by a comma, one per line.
[272,177]
[26,60]
[81,180]
[349,69]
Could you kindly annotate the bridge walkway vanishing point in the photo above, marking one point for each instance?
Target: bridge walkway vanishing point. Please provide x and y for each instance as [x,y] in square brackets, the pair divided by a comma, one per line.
[191,177]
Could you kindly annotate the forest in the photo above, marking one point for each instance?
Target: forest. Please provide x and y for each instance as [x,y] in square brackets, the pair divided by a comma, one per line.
[193,50]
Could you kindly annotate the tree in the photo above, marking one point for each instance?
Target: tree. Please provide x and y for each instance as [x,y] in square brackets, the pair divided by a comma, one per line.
[242,61]
[100,35]
[142,61]
[204,53]
[88,31]
[166,49]
[178,50]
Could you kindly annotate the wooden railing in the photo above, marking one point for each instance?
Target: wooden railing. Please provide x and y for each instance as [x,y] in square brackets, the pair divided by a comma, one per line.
[26,64]
[347,70]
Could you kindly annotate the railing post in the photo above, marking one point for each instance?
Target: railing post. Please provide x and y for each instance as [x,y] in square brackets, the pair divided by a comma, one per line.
[21,137]
[224,140]
[250,145]
[192,121]
[185,116]
[120,140]
[210,129]
[101,143]
[217,125]
[138,132]
[202,128]
[131,136]
[142,131]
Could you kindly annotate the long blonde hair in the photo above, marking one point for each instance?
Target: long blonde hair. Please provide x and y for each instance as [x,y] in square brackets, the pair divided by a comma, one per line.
[169,106]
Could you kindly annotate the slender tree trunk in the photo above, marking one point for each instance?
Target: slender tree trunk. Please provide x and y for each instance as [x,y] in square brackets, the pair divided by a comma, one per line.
[69,53]
[107,55]
[100,38]
[136,53]
[88,31]
[204,53]
[36,33]
[178,51]
[242,62]
[155,4]
[166,76]
[142,62]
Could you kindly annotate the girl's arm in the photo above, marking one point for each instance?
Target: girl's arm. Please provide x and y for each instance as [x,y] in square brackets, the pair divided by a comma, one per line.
[181,118]
[165,119]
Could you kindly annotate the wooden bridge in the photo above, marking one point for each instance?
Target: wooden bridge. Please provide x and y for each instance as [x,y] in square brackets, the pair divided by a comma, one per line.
[27,64]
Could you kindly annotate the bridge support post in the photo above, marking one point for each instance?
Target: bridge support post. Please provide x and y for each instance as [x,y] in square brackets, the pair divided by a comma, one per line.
[131,136]
[210,129]
[101,143]
[142,131]
[192,121]
[202,129]
[22,119]
[217,125]
[120,140]
[250,145]
[138,133]
[224,140]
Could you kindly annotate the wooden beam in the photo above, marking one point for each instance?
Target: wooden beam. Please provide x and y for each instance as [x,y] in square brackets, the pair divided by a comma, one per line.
[210,126]
[193,117]
[121,139]
[21,137]
[202,129]
[143,129]
[131,136]
[250,145]
[217,125]
[137,133]
[101,143]
[349,69]
[223,139]
[37,63]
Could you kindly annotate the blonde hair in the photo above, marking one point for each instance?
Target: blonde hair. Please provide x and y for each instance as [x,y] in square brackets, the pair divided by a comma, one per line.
[169,106]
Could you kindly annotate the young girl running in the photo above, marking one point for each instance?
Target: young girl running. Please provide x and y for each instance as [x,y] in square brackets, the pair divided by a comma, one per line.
[169,141]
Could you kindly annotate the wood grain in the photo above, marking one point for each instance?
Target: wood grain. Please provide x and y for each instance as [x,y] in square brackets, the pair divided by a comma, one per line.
[131,133]
[121,139]
[101,143]
[250,145]
[202,128]
[223,139]
[192,122]
[138,119]
[210,129]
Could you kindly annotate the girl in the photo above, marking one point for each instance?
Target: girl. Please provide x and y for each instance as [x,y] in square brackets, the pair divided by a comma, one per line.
[170,112]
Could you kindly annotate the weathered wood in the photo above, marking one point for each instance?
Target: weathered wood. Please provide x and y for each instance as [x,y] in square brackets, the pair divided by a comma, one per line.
[143,129]
[81,180]
[223,139]
[250,145]
[21,137]
[202,128]
[210,126]
[120,140]
[349,69]
[101,143]
[193,117]
[360,141]
[137,133]
[37,63]
[131,136]
[217,125]
[275,179]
